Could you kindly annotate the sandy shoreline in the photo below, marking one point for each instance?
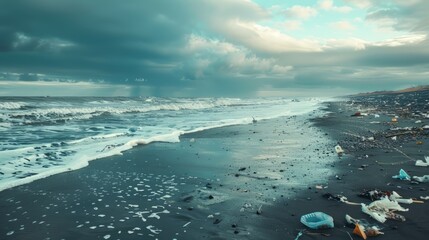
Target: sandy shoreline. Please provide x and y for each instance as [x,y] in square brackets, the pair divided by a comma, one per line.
[239,182]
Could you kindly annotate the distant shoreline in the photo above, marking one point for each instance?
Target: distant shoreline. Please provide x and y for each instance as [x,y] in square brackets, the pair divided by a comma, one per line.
[406,90]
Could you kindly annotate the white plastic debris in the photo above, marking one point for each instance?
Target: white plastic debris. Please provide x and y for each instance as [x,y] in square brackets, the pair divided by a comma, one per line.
[398,198]
[394,138]
[379,216]
[339,150]
[424,178]
[386,204]
[382,209]
[423,163]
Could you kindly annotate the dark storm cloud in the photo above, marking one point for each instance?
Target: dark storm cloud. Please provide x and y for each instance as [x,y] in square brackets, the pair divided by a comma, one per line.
[92,38]
[195,47]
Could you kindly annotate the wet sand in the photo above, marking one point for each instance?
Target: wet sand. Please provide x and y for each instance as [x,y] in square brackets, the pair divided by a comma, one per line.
[240,182]
[367,164]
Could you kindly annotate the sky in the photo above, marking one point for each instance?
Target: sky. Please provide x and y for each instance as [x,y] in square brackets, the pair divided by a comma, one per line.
[212,48]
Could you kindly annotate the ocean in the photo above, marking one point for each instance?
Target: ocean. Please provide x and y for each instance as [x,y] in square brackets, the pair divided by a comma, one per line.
[43,136]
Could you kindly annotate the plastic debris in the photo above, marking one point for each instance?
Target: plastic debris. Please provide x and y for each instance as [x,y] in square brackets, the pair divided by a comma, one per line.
[402,175]
[424,198]
[374,194]
[394,120]
[423,163]
[339,150]
[317,220]
[387,204]
[339,197]
[373,231]
[424,178]
[383,209]
[359,230]
[356,114]
[419,142]
[393,196]
[299,235]
[368,229]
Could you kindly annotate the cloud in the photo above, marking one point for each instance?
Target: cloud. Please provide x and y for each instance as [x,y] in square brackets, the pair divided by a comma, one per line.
[349,43]
[301,12]
[343,25]
[211,57]
[206,47]
[360,3]
[292,25]
[328,5]
[265,39]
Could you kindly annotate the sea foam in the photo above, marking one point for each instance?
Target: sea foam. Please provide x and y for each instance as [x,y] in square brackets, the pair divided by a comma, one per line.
[31,152]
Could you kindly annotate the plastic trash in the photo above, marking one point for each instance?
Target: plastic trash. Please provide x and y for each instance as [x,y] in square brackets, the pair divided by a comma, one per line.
[386,205]
[394,196]
[383,209]
[317,220]
[339,150]
[374,214]
[394,120]
[370,230]
[299,235]
[359,230]
[423,163]
[424,178]
[402,175]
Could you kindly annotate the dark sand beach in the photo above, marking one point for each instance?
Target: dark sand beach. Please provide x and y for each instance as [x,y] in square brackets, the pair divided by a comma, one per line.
[239,182]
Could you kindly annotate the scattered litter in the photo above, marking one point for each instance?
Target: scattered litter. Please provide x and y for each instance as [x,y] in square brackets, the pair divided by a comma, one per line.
[339,150]
[394,138]
[356,114]
[423,163]
[340,198]
[384,209]
[351,220]
[376,115]
[186,224]
[259,211]
[394,120]
[298,235]
[424,198]
[359,230]
[421,179]
[317,220]
[368,229]
[419,142]
[418,121]
[402,175]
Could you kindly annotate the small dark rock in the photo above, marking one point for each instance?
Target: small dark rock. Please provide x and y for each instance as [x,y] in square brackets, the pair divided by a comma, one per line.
[217,221]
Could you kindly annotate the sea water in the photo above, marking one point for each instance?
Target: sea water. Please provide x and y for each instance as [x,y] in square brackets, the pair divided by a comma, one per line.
[43,136]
